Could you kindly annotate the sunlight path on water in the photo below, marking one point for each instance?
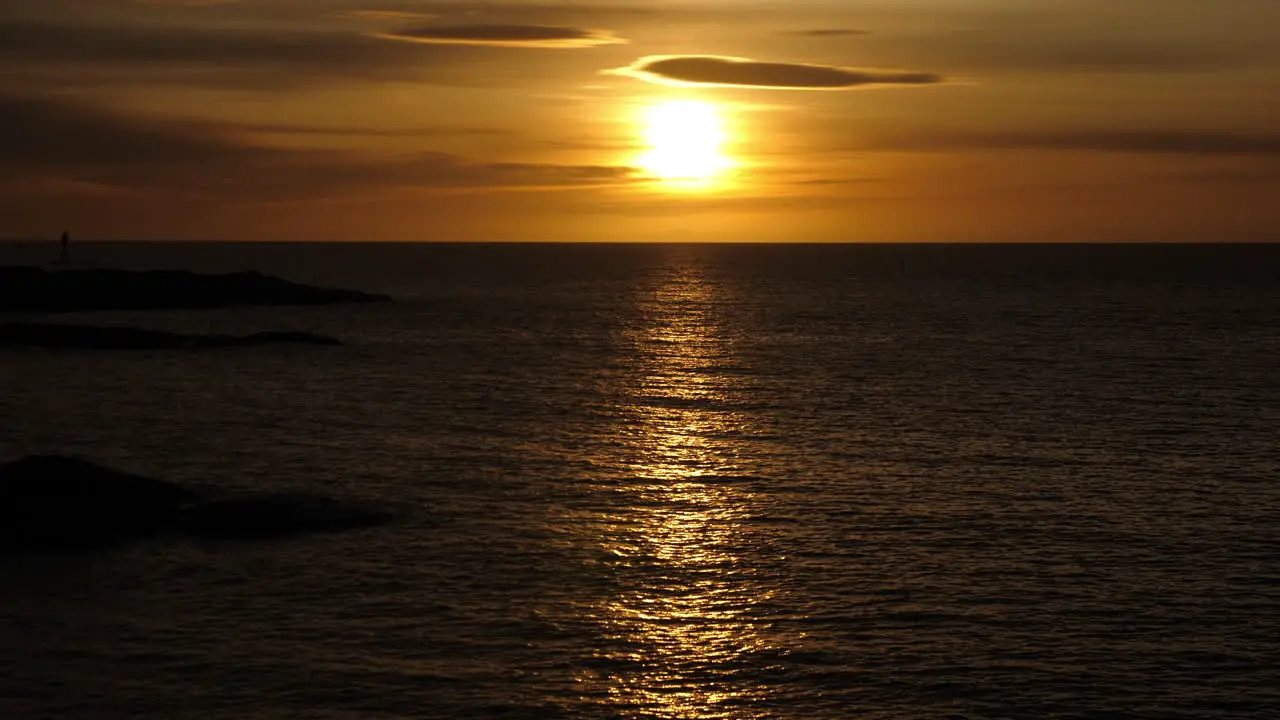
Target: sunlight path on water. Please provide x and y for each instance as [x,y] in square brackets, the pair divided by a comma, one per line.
[682,626]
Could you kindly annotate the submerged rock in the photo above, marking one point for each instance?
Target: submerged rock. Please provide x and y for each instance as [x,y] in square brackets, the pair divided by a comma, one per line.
[33,289]
[49,502]
[94,337]
[270,516]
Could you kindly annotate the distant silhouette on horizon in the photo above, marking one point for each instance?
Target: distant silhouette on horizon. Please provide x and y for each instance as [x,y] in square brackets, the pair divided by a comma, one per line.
[66,248]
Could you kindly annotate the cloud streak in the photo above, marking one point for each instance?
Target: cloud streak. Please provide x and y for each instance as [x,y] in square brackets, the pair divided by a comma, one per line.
[827,32]
[1138,141]
[85,55]
[384,15]
[516,36]
[715,70]
[365,131]
[186,3]
[74,144]
[289,55]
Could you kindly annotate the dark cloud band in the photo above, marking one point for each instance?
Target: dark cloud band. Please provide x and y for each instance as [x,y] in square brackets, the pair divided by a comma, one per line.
[740,72]
[85,145]
[525,36]
[828,32]
[1145,141]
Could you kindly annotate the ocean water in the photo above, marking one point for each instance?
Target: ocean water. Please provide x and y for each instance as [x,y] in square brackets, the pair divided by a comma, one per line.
[676,481]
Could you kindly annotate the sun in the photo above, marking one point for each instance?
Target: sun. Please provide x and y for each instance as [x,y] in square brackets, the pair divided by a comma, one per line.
[684,141]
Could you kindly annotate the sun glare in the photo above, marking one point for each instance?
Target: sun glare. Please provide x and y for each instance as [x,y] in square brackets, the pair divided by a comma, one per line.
[684,141]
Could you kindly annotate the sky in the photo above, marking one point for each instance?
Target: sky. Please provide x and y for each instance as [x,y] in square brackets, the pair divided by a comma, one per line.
[635,120]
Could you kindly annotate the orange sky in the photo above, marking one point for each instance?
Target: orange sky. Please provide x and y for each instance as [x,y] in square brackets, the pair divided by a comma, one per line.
[811,120]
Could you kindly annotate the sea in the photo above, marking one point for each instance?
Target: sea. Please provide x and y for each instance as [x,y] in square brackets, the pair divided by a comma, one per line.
[669,481]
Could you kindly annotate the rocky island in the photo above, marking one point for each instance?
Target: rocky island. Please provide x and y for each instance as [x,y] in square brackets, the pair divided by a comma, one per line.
[56,503]
[97,337]
[33,289]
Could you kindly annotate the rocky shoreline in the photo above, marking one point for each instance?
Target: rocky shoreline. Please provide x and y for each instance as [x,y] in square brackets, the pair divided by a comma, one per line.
[97,337]
[27,291]
[39,290]
[52,503]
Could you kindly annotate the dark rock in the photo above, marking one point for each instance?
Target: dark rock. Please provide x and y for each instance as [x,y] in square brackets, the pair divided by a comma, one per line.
[59,503]
[32,289]
[48,501]
[92,337]
[272,516]
[277,336]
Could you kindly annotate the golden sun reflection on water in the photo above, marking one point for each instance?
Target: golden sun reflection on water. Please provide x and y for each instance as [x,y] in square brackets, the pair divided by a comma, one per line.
[684,611]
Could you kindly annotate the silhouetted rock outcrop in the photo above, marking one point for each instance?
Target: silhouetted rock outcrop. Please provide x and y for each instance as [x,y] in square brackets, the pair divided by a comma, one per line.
[93,337]
[271,516]
[32,289]
[49,502]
